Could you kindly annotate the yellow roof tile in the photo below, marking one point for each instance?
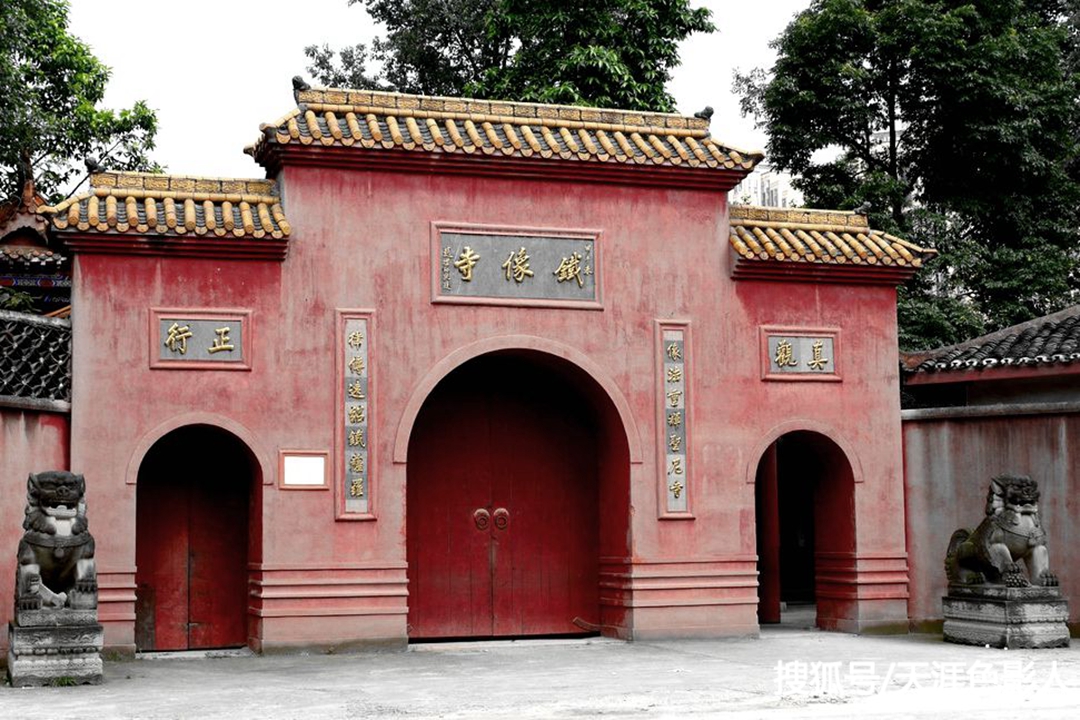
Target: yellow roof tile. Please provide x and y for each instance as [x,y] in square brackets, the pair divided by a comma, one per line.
[367,119]
[816,237]
[173,205]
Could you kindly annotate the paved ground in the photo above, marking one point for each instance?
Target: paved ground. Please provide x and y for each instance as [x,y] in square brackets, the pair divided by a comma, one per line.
[786,673]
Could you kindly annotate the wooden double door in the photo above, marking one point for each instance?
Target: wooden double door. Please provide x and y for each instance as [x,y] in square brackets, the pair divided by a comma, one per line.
[502,505]
[191,551]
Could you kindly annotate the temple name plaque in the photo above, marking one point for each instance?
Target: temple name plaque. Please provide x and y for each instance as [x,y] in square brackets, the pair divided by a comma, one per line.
[549,268]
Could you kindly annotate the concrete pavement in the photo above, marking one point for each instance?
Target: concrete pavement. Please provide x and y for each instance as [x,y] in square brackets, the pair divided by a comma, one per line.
[786,673]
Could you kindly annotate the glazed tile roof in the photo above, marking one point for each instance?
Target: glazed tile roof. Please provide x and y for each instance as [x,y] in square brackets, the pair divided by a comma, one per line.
[822,237]
[144,203]
[1046,341]
[392,121]
[35,361]
[25,257]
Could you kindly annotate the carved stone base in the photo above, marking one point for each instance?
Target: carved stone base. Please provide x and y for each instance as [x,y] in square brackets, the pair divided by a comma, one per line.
[55,617]
[1004,617]
[56,655]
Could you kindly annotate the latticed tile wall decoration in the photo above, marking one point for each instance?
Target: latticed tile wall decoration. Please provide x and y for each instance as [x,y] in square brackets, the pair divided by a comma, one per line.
[35,357]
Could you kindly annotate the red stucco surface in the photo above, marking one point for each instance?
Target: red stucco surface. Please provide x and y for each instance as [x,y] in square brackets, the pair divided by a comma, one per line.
[361,240]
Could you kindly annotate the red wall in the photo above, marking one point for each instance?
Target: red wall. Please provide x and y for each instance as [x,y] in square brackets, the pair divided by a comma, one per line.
[362,240]
[30,442]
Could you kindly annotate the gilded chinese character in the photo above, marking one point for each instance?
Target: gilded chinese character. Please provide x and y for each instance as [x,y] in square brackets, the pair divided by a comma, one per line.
[674,396]
[676,488]
[356,339]
[356,414]
[177,337]
[517,266]
[676,466]
[674,442]
[570,269]
[356,463]
[674,419]
[674,374]
[818,361]
[785,355]
[356,390]
[222,342]
[356,488]
[674,352]
[356,365]
[466,262]
[356,438]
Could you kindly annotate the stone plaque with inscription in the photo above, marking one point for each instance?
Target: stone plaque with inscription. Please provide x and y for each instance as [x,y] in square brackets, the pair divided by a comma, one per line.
[201,340]
[357,415]
[675,419]
[517,267]
[791,354]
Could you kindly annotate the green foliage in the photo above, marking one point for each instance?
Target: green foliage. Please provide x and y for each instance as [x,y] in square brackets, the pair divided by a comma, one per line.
[958,122]
[11,299]
[51,87]
[613,53]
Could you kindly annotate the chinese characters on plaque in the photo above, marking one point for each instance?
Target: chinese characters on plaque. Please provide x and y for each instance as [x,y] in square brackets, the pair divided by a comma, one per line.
[800,354]
[674,430]
[203,340]
[357,415]
[517,267]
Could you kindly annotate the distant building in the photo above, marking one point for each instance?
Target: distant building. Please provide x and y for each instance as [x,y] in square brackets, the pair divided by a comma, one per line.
[768,187]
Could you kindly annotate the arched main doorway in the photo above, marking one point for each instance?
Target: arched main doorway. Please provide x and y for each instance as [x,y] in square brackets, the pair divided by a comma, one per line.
[805,511]
[192,538]
[518,482]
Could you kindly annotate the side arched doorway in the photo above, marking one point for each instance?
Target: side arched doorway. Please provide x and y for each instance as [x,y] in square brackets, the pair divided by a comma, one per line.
[195,490]
[517,485]
[805,511]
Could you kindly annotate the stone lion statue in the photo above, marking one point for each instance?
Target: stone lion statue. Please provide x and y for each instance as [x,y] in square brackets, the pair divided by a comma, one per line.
[1010,533]
[56,553]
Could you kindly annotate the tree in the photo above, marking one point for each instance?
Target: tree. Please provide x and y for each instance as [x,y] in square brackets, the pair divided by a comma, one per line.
[957,122]
[614,53]
[49,115]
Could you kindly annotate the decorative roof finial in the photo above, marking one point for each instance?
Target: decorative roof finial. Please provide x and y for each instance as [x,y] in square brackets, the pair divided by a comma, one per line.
[92,164]
[705,114]
[299,85]
[25,178]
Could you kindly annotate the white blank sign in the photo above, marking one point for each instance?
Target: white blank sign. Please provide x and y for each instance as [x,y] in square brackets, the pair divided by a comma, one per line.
[304,470]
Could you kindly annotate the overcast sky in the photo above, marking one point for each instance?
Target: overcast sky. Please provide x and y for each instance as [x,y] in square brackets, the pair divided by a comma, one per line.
[215,69]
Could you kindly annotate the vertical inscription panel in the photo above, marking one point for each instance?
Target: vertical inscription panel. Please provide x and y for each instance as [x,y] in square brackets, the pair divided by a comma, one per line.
[356,402]
[673,400]
[505,266]
[200,339]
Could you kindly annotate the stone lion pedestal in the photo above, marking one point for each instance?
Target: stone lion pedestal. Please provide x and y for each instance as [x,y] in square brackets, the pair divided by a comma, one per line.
[991,601]
[55,638]
[1006,617]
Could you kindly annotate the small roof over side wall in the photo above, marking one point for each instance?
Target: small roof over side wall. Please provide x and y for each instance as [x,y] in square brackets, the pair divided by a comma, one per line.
[394,124]
[818,246]
[1047,344]
[195,216]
